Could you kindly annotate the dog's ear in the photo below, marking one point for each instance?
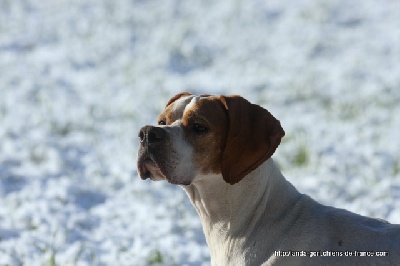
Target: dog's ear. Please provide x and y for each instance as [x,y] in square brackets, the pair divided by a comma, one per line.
[252,138]
[176,97]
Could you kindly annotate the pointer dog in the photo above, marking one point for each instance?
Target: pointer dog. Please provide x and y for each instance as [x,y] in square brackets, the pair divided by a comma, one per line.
[219,148]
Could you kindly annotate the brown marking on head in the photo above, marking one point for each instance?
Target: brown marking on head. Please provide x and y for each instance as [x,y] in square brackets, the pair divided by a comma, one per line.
[209,113]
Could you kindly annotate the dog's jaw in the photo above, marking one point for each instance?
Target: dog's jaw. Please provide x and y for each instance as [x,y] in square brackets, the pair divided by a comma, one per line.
[147,168]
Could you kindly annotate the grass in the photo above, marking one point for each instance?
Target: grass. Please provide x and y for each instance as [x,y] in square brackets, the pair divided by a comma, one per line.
[61,129]
[155,257]
[349,111]
[52,259]
[301,157]
[396,168]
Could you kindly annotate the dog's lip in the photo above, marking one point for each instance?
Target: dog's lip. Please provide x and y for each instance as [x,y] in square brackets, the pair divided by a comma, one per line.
[148,168]
[142,166]
[143,170]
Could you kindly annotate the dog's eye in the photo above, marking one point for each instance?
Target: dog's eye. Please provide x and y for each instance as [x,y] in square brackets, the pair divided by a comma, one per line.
[162,123]
[199,128]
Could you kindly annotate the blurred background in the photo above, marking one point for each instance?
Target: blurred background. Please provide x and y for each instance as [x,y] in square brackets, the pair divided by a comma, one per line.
[79,78]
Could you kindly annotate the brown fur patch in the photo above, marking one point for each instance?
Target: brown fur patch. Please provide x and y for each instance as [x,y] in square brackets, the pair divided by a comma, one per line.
[253,136]
[208,146]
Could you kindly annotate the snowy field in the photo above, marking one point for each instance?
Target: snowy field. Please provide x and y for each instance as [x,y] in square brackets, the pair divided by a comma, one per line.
[79,78]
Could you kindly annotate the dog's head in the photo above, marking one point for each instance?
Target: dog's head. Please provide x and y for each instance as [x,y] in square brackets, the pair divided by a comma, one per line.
[200,135]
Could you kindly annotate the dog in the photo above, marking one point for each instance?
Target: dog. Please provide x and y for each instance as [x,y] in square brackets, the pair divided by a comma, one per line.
[219,148]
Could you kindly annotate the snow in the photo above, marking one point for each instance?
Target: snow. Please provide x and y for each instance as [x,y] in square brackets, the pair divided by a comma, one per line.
[79,78]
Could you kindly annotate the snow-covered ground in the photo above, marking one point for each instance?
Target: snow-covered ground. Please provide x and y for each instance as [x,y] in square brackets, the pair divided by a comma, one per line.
[79,78]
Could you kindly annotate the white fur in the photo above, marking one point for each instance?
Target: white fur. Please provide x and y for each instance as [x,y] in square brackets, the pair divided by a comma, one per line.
[184,166]
[245,224]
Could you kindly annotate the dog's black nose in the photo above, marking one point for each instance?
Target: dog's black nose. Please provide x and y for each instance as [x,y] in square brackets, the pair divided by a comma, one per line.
[151,134]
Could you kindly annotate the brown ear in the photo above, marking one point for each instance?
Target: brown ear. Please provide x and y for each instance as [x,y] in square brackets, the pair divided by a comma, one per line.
[176,97]
[253,136]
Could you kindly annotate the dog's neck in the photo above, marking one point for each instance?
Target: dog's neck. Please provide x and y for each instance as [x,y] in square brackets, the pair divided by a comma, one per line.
[229,213]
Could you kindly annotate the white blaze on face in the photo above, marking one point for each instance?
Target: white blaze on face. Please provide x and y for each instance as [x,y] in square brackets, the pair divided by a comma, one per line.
[182,167]
[182,105]
[179,107]
[189,106]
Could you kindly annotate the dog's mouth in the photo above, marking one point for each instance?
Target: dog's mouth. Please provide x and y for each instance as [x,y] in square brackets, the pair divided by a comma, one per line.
[148,168]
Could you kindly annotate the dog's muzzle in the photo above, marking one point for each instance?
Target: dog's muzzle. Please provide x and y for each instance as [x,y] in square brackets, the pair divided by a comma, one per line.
[154,159]
[150,162]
